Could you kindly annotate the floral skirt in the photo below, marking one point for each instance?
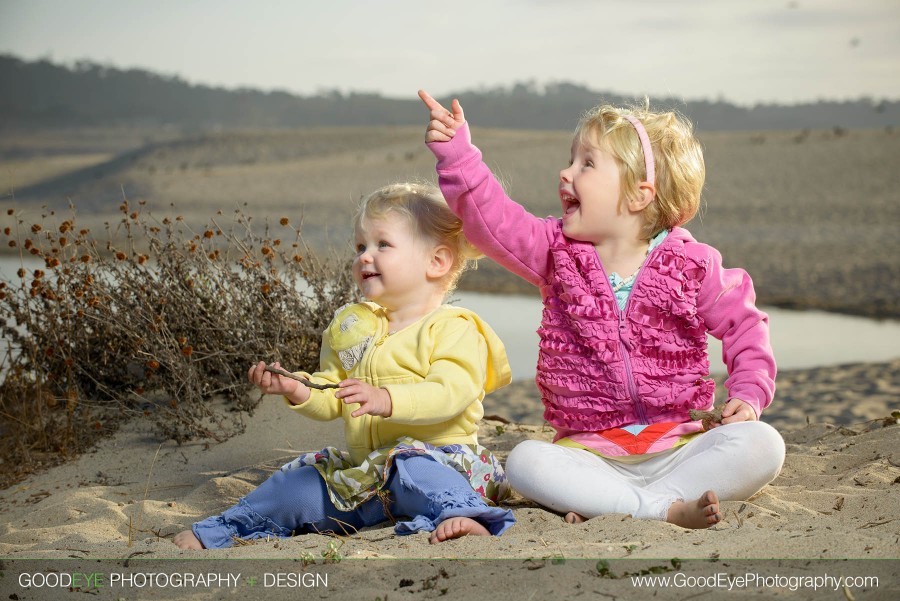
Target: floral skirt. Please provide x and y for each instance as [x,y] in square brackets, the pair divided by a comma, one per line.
[350,485]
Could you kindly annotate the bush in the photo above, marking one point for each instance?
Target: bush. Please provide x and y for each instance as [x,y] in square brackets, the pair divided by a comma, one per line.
[160,321]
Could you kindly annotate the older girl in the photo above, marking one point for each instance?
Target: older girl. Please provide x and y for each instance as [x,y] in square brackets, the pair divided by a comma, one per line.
[629,297]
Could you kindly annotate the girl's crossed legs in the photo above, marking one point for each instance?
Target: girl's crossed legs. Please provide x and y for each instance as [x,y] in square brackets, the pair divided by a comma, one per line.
[734,460]
[437,497]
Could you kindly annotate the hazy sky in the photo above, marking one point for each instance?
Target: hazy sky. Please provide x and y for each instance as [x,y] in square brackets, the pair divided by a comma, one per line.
[745,51]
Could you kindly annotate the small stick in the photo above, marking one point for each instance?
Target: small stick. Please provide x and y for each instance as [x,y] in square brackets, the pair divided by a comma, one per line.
[304,381]
[708,417]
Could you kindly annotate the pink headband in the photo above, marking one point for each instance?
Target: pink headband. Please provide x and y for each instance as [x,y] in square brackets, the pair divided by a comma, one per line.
[645,146]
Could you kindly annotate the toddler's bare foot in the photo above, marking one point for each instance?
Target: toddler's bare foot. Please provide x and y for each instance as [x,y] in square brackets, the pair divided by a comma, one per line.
[574,518]
[702,513]
[455,528]
[187,540]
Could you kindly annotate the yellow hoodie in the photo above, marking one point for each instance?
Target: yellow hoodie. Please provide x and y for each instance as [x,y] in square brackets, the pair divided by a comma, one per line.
[437,371]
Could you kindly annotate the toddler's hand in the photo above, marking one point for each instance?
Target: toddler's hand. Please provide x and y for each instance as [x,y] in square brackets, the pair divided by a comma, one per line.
[736,411]
[374,401]
[270,383]
[443,124]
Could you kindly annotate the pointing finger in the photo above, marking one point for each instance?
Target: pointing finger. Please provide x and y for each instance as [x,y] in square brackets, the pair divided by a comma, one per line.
[430,102]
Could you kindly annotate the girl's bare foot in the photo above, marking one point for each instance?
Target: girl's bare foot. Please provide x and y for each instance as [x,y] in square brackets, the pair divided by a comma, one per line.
[187,540]
[702,513]
[455,528]
[574,518]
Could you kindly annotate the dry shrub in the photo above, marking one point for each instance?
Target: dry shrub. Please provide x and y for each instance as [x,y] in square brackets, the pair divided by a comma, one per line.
[160,320]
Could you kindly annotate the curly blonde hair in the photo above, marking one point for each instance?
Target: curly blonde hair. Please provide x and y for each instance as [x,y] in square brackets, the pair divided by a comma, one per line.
[678,156]
[424,207]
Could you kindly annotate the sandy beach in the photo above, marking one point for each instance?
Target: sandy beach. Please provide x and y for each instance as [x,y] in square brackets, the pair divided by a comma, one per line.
[835,508]
[836,499]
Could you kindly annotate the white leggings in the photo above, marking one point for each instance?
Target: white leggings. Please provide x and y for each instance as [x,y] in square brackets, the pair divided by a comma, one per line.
[734,460]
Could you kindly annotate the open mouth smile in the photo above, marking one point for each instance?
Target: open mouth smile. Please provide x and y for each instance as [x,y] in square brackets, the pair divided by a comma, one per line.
[369,274]
[570,203]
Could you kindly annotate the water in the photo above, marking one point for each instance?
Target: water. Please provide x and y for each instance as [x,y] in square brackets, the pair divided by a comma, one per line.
[800,339]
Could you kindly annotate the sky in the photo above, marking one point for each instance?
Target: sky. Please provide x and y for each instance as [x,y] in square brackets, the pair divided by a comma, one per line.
[743,51]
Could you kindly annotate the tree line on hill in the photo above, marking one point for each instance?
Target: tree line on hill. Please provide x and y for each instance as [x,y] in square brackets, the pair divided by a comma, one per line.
[43,94]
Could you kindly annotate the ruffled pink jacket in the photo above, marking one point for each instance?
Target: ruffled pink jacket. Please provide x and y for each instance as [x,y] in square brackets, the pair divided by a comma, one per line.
[599,367]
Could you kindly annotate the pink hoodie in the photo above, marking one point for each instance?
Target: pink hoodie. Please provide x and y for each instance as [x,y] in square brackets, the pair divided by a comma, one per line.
[599,367]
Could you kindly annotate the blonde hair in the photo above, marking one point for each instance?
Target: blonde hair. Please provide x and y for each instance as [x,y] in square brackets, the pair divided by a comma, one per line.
[431,219]
[678,159]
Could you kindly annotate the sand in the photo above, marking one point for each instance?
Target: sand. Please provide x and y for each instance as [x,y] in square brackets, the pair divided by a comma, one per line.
[809,214]
[836,498]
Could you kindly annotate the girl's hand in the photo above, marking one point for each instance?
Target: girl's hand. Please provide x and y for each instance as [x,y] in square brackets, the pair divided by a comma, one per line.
[443,124]
[736,410]
[270,383]
[374,401]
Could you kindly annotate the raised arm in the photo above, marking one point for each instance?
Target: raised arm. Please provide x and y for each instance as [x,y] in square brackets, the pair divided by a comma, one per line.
[501,228]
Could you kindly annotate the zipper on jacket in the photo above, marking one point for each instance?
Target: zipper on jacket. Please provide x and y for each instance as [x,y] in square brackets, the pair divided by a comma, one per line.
[626,345]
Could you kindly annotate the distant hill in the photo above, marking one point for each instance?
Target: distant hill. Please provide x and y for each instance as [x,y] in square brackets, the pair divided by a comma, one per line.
[44,94]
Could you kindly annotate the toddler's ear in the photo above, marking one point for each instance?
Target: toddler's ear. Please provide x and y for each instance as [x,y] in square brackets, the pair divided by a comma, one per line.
[646,194]
[441,261]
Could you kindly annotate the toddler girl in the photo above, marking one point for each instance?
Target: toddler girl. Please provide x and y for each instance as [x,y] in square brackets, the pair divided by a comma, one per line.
[629,297]
[408,375]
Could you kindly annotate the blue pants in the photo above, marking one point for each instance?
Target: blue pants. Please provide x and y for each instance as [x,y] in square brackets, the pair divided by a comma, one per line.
[296,501]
